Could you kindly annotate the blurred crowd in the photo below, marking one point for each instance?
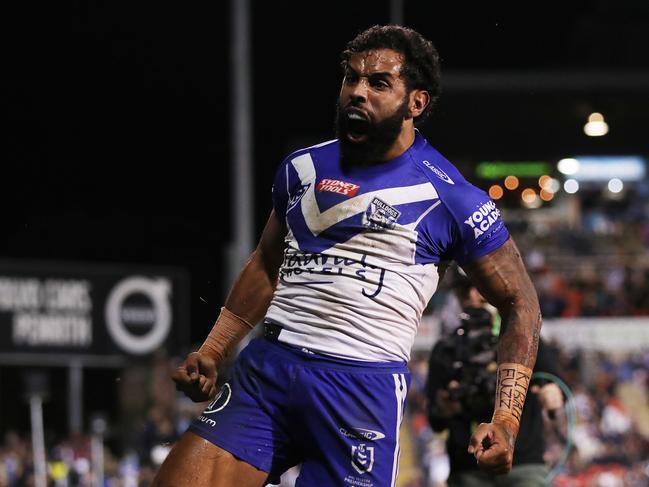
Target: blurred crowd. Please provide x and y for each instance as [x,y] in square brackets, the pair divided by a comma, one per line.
[597,265]
[151,418]
[69,460]
[607,442]
[615,284]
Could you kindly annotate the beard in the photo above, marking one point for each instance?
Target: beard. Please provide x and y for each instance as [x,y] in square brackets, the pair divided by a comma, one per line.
[379,136]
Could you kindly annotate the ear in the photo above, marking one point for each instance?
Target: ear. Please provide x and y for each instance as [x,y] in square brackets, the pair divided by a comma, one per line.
[419,100]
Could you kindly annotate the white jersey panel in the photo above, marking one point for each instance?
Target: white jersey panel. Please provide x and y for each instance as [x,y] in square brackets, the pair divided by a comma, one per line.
[360,299]
[351,309]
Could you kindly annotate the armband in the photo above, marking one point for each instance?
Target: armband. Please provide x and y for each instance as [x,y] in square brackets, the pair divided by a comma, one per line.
[228,330]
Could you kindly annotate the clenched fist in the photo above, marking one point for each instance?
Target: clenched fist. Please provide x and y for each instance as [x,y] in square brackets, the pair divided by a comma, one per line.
[196,377]
[492,444]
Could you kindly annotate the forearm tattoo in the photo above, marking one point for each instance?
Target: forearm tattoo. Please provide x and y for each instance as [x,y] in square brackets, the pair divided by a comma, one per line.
[512,383]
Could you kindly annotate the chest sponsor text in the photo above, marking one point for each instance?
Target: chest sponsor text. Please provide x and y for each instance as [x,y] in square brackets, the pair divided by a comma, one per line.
[337,186]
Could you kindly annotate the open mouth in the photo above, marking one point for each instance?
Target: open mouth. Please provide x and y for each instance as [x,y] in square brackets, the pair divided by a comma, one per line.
[357,125]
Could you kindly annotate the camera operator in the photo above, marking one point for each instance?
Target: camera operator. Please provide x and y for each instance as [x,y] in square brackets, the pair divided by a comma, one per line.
[461,391]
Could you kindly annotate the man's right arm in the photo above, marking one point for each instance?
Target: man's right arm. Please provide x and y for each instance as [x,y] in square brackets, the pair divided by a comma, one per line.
[245,306]
[253,290]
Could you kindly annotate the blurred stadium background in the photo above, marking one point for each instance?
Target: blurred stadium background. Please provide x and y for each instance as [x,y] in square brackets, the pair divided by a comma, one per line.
[139,147]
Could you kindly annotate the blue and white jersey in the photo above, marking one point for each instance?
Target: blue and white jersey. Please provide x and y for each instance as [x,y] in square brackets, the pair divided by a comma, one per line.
[364,247]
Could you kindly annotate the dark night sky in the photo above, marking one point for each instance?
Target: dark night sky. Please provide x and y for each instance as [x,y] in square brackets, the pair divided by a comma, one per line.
[117,141]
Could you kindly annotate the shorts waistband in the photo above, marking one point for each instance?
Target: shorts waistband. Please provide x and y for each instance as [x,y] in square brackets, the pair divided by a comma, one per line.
[272,332]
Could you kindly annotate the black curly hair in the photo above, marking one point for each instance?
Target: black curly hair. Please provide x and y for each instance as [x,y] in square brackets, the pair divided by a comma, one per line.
[421,66]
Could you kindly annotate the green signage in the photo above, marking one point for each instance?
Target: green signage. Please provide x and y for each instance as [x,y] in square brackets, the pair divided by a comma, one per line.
[521,169]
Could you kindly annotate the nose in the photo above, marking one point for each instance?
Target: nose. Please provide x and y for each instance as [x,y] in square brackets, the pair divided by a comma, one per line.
[358,91]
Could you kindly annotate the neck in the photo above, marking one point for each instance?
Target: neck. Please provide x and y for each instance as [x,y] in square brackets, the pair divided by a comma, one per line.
[403,142]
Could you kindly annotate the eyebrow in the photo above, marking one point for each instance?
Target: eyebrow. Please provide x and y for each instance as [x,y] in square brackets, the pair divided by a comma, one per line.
[378,74]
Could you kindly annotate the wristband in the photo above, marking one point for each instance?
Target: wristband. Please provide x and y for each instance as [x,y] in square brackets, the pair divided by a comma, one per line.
[511,389]
[228,330]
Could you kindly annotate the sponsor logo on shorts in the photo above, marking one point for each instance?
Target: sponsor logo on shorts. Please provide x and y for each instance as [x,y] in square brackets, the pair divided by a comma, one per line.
[359,481]
[379,215]
[483,218]
[362,458]
[207,421]
[336,186]
[220,401]
[362,434]
[438,172]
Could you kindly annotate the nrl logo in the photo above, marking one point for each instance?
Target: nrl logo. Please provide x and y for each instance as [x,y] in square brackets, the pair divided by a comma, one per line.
[362,458]
[379,215]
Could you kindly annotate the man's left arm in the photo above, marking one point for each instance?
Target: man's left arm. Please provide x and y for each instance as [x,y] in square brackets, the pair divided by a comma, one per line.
[502,279]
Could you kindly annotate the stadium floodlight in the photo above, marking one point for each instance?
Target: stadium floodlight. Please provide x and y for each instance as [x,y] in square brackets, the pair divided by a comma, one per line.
[530,198]
[615,185]
[568,166]
[496,192]
[596,126]
[551,185]
[603,168]
[511,182]
[546,195]
[571,186]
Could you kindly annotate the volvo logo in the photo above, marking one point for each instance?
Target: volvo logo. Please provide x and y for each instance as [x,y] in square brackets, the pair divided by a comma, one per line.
[138,315]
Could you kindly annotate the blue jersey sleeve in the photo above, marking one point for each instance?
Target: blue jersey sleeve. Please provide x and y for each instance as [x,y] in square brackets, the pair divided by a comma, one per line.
[287,187]
[467,226]
[479,226]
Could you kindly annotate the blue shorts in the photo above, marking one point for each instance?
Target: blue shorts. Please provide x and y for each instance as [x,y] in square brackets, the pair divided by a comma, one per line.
[286,406]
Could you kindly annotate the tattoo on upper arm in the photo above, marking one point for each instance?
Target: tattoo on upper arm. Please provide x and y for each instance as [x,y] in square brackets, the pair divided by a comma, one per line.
[502,279]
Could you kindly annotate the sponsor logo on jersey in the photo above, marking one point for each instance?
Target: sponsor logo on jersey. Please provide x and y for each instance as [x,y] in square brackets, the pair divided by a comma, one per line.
[295,198]
[362,458]
[336,186]
[362,434]
[301,268]
[483,218]
[379,215]
[220,401]
[438,172]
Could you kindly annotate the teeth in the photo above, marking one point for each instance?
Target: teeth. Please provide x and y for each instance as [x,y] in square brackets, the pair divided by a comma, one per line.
[355,116]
